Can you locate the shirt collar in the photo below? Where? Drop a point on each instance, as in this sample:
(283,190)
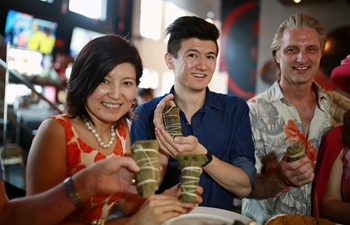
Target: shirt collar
(209,101)
(278,96)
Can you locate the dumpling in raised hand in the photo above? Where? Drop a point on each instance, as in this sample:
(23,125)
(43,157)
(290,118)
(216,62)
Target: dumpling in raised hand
(171,120)
(296,151)
(191,166)
(145,153)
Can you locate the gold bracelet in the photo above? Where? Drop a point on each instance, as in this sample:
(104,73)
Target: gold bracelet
(98,222)
(72,192)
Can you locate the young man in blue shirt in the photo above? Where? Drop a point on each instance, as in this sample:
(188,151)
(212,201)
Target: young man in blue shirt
(212,123)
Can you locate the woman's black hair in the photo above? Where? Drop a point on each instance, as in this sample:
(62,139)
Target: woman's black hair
(92,65)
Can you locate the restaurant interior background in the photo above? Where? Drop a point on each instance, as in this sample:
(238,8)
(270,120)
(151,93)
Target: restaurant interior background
(33,86)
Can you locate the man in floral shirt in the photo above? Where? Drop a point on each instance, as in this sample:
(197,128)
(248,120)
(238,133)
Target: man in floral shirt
(294,108)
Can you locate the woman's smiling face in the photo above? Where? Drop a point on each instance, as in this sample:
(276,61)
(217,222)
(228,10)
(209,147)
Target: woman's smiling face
(114,96)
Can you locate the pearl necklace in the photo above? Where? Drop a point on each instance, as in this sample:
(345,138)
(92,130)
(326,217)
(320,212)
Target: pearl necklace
(98,139)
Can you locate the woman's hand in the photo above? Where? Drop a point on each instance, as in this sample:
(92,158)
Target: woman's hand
(176,191)
(159,208)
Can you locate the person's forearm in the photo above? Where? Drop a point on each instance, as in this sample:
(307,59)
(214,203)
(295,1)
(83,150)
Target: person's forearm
(266,186)
(336,211)
(49,207)
(238,183)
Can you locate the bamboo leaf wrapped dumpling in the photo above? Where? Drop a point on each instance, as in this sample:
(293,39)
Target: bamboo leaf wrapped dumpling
(171,120)
(145,153)
(296,151)
(190,166)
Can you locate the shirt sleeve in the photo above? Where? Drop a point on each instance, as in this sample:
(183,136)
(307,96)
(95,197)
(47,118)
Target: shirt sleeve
(256,135)
(247,166)
(142,128)
(245,155)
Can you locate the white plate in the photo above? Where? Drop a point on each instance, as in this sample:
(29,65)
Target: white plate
(208,216)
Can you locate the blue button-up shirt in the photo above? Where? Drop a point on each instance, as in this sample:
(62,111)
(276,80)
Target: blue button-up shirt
(222,125)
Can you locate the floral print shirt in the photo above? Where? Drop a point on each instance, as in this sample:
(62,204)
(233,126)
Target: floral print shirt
(79,156)
(276,125)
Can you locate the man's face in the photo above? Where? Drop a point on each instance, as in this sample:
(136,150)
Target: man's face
(195,65)
(299,56)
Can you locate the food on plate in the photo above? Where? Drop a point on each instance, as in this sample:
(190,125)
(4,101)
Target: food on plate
(292,219)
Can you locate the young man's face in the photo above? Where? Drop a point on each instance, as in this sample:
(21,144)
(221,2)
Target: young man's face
(195,64)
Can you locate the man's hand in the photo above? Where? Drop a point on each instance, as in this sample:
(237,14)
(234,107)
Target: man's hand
(295,174)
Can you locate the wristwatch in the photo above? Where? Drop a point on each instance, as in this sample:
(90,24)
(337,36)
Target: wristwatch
(209,157)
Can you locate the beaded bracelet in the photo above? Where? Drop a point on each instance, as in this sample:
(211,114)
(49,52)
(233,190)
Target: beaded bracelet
(98,222)
(72,192)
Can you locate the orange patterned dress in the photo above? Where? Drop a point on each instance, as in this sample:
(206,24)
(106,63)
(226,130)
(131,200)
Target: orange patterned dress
(79,156)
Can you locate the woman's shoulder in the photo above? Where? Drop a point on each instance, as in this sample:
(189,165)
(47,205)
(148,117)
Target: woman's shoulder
(55,125)
(52,122)
(62,118)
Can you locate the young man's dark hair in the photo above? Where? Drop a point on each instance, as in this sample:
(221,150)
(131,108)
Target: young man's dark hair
(190,27)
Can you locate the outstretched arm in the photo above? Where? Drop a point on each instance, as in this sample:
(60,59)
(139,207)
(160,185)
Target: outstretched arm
(107,176)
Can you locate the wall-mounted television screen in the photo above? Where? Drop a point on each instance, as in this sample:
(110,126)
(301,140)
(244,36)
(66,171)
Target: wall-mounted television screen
(24,31)
(80,37)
